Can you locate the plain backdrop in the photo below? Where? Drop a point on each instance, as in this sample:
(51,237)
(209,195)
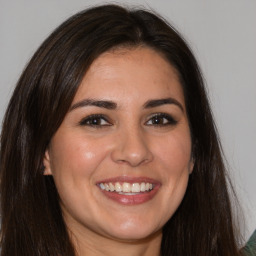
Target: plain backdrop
(222,35)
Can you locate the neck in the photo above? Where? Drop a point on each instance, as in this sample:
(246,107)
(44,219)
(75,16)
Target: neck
(92,244)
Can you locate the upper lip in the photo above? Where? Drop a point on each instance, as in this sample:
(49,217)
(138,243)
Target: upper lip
(129,179)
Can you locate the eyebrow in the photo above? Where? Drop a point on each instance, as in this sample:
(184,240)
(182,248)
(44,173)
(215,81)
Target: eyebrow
(112,105)
(160,102)
(98,103)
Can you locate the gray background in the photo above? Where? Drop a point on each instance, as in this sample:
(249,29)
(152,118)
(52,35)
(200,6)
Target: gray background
(222,35)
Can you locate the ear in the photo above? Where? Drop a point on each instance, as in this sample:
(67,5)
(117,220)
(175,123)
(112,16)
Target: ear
(47,163)
(191,165)
(192,159)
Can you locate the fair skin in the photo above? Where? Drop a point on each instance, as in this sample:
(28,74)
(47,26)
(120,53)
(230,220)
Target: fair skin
(138,137)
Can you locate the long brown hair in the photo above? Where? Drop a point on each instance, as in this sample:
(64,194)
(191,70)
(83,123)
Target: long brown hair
(32,223)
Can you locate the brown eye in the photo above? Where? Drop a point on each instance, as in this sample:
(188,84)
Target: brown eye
(161,119)
(95,120)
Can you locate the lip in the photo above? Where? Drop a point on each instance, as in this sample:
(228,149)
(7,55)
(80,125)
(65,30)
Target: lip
(139,198)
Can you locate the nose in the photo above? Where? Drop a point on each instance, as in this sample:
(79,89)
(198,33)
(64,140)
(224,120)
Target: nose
(132,148)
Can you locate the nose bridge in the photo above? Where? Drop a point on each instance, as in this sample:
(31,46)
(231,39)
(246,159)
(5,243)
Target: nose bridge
(132,147)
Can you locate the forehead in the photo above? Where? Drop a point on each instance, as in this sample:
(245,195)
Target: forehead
(134,72)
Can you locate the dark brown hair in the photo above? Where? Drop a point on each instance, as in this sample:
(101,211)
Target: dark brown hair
(32,223)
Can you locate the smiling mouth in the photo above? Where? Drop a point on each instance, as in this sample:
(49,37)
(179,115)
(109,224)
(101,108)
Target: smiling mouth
(129,190)
(126,188)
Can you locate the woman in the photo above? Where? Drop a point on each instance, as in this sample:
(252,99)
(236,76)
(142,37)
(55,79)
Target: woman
(108,146)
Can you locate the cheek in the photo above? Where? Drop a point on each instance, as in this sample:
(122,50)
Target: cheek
(74,158)
(175,153)
(174,160)
(74,162)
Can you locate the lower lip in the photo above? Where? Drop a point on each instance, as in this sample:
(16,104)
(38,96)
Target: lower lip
(141,198)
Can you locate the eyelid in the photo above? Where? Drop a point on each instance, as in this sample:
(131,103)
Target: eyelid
(86,119)
(171,120)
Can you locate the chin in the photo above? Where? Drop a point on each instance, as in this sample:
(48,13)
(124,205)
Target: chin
(130,232)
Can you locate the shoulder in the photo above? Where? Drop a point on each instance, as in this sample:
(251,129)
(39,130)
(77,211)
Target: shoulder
(250,247)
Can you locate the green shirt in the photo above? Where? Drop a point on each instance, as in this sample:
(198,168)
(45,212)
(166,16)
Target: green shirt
(250,247)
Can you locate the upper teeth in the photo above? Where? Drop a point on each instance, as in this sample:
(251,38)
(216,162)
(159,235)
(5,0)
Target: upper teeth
(126,187)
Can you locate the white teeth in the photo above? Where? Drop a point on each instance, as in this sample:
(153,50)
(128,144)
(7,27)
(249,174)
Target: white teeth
(102,186)
(118,187)
(142,187)
(112,187)
(135,187)
(127,188)
(106,187)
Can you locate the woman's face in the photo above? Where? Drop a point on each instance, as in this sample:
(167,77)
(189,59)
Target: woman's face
(121,159)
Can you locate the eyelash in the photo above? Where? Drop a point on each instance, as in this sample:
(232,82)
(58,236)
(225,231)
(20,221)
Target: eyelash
(93,120)
(88,121)
(159,117)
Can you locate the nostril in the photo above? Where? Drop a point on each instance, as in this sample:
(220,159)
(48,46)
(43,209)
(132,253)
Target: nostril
(134,160)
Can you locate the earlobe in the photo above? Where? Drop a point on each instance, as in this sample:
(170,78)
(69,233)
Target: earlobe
(192,160)
(47,164)
(191,165)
